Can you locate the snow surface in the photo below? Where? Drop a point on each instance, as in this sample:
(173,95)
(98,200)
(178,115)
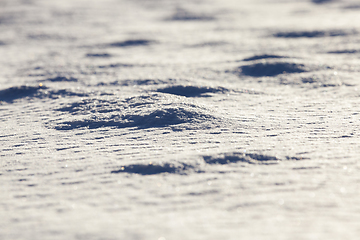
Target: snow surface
(179,119)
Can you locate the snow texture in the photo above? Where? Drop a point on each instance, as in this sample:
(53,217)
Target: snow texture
(181,119)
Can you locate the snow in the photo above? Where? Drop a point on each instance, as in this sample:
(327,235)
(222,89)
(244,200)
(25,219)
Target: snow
(179,119)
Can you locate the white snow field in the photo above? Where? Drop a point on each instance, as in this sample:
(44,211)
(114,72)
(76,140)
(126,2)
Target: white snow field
(179,119)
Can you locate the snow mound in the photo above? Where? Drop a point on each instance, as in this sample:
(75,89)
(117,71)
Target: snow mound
(313,34)
(152,169)
(191,91)
(131,43)
(318,80)
(322,1)
(10,94)
(133,82)
(270,69)
(98,55)
(62,79)
(116,65)
(264,56)
(346,51)
(185,15)
(157,110)
(252,158)
(208,44)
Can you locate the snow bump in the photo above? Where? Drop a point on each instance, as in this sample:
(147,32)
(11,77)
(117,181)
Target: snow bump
(191,91)
(131,43)
(98,55)
(313,34)
(153,169)
(322,1)
(185,15)
(133,82)
(270,69)
(11,94)
(62,79)
(346,51)
(264,56)
(147,111)
(251,158)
